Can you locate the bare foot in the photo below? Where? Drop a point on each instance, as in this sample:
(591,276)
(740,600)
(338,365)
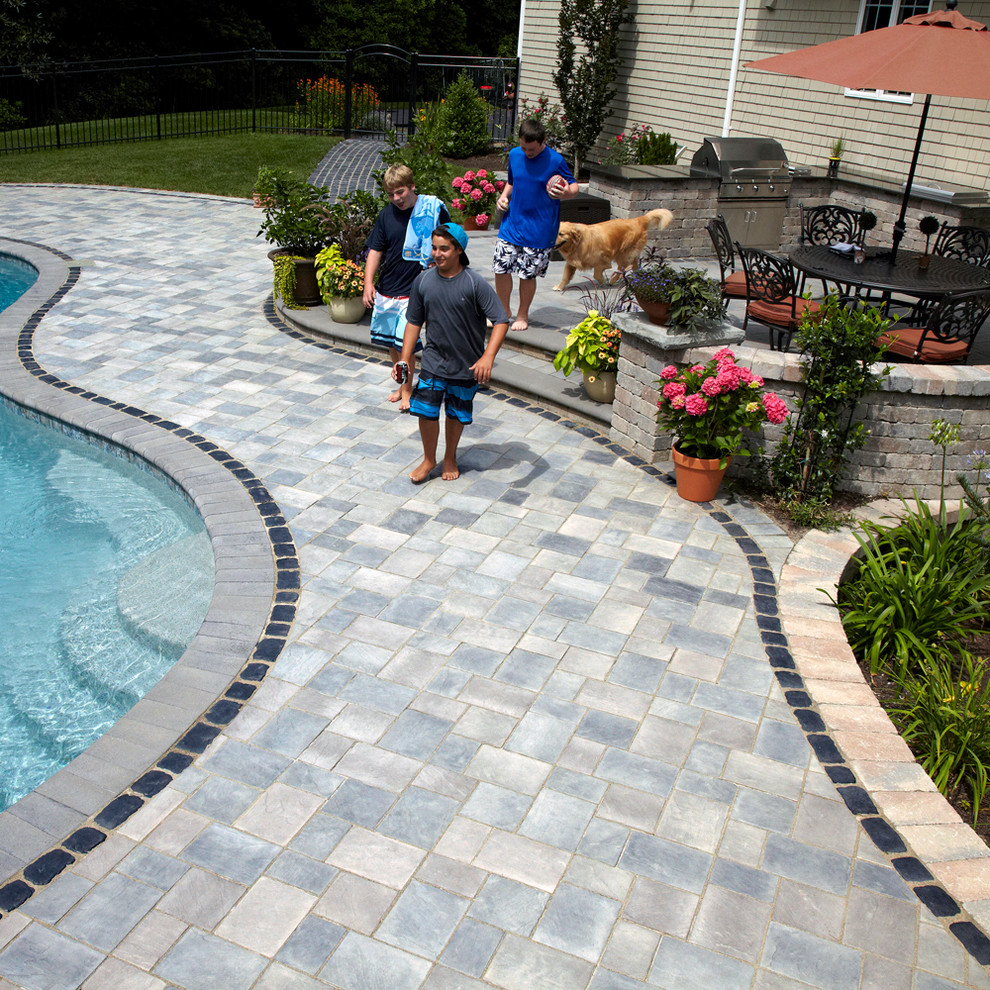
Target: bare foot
(519,323)
(395,396)
(422,472)
(406,395)
(450,470)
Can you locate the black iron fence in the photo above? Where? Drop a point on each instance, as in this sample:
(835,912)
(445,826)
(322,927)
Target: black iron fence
(364,91)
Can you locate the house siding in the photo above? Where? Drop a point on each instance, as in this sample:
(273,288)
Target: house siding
(677,63)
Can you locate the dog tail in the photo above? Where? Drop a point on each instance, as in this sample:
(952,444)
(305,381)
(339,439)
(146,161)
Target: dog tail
(659,218)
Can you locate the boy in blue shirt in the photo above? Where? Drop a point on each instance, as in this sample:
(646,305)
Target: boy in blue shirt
(538,179)
(455,362)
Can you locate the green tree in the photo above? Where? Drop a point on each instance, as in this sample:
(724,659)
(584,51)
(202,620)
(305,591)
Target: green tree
(584,77)
(25,32)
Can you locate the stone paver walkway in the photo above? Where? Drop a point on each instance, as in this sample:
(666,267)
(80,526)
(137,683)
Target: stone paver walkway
(523,734)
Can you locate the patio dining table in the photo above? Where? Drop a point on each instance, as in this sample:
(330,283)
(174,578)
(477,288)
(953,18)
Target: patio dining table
(878,274)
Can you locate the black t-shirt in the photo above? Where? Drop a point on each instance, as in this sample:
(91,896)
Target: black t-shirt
(395,274)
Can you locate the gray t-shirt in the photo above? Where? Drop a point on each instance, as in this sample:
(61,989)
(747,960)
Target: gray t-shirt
(456,309)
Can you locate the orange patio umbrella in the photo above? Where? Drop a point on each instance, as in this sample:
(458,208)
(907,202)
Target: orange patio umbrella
(941,54)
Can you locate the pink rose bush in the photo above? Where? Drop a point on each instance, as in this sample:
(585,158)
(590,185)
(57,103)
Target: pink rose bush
(478,192)
(707,406)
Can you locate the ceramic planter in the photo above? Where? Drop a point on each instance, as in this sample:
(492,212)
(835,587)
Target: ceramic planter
(698,478)
(346,310)
(307,291)
(470,223)
(656,312)
(599,386)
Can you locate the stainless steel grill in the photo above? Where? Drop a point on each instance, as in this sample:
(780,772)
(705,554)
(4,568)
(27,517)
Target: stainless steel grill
(754,183)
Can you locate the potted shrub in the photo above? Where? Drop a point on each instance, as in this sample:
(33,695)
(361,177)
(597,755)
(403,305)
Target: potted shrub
(341,282)
(294,223)
(675,297)
(593,345)
(835,156)
(928,226)
(706,407)
(476,200)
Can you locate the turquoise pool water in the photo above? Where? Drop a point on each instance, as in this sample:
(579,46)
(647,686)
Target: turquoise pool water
(105,577)
(16,277)
(106,573)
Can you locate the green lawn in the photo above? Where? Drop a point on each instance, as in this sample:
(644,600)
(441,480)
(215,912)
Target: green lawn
(224,166)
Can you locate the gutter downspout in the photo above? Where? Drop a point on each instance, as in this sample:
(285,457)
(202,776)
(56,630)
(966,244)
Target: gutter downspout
(733,70)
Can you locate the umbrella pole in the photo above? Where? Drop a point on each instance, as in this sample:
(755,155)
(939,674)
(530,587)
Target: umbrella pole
(899,225)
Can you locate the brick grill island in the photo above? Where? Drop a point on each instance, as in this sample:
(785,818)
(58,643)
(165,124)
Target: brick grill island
(897,459)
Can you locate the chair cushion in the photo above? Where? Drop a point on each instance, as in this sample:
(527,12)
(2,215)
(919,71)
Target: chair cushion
(735,285)
(779,314)
(904,342)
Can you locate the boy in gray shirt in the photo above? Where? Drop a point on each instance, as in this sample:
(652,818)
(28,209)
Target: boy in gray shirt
(455,361)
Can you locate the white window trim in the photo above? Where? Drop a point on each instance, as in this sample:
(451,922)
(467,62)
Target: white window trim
(879,95)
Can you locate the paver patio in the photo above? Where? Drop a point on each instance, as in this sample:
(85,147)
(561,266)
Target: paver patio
(524,733)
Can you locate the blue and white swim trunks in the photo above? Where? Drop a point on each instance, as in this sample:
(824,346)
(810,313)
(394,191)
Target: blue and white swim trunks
(388,322)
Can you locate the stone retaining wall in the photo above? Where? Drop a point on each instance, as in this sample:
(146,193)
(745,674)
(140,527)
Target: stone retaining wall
(632,190)
(898,458)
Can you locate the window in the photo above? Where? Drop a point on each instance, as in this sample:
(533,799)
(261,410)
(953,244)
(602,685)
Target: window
(880,14)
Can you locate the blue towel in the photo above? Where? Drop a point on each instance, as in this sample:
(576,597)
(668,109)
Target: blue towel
(418,245)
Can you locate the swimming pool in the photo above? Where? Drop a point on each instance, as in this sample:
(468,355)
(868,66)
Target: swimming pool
(106,573)
(16,277)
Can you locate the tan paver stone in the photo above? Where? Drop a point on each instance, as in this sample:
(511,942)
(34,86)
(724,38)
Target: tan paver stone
(377,857)
(151,814)
(113,974)
(853,692)
(933,843)
(279,813)
(11,925)
(631,807)
(266,916)
(892,775)
(914,808)
(499,697)
(378,767)
(857,718)
(150,939)
(966,879)
(705,668)
(836,667)
(872,746)
(522,859)
(461,878)
(615,699)
(355,903)
(511,770)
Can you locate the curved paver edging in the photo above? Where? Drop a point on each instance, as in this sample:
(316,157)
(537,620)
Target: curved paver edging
(933,849)
(256,588)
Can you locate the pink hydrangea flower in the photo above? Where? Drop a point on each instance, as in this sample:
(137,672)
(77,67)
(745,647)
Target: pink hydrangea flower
(668,373)
(488,187)
(728,377)
(482,219)
(711,387)
(482,173)
(468,176)
(500,185)
(775,408)
(677,402)
(672,389)
(695,405)
(457,204)
(725,355)
(697,369)
(458,182)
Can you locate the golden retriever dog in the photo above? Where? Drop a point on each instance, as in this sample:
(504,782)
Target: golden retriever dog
(600,245)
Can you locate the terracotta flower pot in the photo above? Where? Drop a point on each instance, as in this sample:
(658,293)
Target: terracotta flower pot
(599,386)
(698,478)
(470,223)
(656,312)
(349,310)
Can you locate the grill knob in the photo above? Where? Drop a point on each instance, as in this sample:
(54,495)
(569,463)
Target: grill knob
(771,187)
(738,188)
(756,188)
